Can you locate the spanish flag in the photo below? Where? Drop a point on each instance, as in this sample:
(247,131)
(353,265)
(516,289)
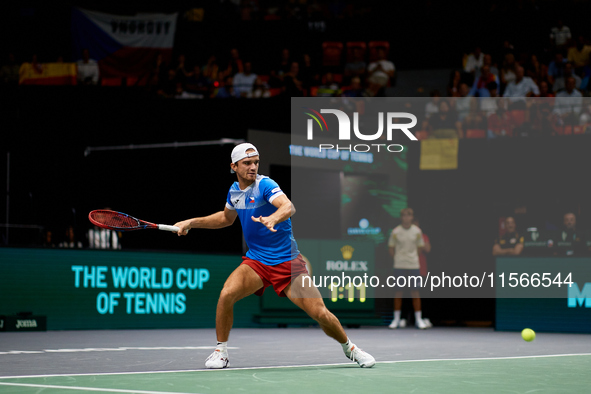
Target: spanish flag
(47,74)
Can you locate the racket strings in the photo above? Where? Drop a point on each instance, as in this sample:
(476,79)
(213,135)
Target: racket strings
(114,219)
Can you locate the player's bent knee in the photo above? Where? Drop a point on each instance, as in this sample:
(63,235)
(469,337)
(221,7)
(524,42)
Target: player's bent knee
(321,314)
(228,296)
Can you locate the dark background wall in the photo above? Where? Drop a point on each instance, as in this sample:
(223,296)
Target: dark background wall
(46,131)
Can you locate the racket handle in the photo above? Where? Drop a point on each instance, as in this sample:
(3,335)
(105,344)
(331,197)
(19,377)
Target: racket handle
(166,227)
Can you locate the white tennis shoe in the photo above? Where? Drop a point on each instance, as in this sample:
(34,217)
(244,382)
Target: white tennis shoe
(217,360)
(364,359)
(394,325)
(421,324)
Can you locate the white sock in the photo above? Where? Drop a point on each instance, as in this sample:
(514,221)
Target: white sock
(346,346)
(397,315)
(222,346)
(418,315)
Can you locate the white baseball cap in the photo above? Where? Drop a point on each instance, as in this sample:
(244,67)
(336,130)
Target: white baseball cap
(239,152)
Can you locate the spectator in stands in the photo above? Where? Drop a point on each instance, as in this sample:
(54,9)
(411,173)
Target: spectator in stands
(507,70)
(355,68)
(445,123)
(585,118)
(474,120)
(329,88)
(101,238)
(536,70)
(285,63)
(556,68)
(578,55)
(244,81)
(520,88)
(355,89)
(374,88)
(181,93)
(491,67)
(48,239)
(480,87)
(462,103)
(235,65)
(292,85)
(309,74)
(226,89)
(559,35)
(511,243)
(211,69)
(181,69)
(541,118)
(88,69)
(70,240)
(197,84)
(568,104)
(275,81)
(259,90)
(488,105)
(159,71)
(432,106)
(474,61)
(560,82)
(571,240)
(453,85)
(545,90)
(9,73)
(382,70)
(167,88)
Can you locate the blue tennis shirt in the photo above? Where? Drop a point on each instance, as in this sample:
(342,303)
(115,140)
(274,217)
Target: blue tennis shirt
(264,245)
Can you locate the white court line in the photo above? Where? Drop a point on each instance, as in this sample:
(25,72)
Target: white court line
(111,349)
(48,386)
(293,366)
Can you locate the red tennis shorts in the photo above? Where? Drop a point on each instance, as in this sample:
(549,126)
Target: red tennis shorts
(278,276)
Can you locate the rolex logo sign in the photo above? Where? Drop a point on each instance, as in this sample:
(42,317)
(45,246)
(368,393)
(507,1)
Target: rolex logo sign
(535,235)
(347,252)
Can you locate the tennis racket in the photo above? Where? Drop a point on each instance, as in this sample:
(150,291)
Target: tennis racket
(119,221)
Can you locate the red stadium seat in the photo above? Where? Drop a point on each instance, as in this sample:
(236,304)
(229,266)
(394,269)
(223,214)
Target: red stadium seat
(110,81)
(275,92)
(351,45)
(422,135)
(131,81)
(374,46)
(331,53)
(475,133)
(569,130)
(517,117)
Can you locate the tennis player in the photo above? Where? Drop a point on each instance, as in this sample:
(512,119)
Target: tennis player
(273,258)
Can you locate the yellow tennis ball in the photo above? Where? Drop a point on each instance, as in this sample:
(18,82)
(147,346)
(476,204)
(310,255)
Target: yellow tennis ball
(528,334)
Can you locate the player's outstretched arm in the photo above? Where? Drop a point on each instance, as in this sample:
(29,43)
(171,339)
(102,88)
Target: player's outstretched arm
(285,210)
(219,219)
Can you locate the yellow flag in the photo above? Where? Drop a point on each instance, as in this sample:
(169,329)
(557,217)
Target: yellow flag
(439,154)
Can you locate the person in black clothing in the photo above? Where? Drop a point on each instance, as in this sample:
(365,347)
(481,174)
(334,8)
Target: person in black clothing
(511,243)
(570,240)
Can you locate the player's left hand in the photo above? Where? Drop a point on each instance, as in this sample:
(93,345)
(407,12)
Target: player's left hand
(266,221)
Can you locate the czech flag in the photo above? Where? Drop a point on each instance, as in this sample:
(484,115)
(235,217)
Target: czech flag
(124,46)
